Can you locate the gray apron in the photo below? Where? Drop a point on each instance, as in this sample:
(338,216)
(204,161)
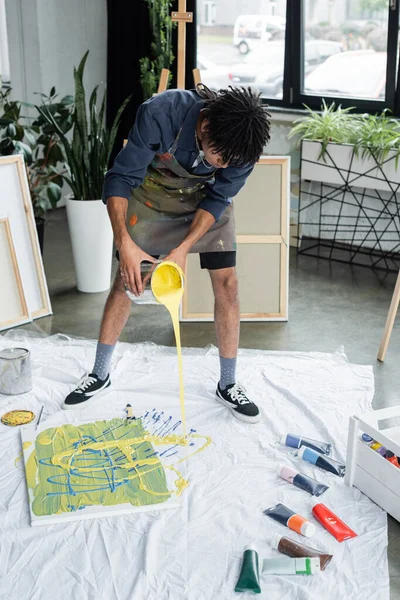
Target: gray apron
(161,209)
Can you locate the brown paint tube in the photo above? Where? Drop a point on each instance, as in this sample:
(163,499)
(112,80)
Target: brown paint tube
(294,549)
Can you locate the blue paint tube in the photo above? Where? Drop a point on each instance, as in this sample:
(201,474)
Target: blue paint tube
(249,578)
(320,460)
(308,484)
(294,440)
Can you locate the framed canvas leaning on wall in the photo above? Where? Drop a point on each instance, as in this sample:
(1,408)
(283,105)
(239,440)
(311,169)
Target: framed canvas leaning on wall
(16,207)
(13,307)
(262,235)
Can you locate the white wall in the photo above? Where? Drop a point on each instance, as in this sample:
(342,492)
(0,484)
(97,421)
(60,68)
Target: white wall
(4,60)
(47,38)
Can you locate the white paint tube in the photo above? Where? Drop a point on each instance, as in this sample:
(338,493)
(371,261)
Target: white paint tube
(283,565)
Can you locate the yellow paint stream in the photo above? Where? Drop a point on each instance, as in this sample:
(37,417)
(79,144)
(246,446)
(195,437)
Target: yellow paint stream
(167,284)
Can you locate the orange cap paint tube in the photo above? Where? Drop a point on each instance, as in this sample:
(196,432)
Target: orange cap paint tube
(289,518)
(332,523)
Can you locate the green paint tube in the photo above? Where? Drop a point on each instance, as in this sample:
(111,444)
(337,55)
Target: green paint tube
(249,578)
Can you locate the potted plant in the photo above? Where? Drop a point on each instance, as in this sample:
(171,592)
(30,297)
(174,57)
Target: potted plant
(87,158)
(41,149)
(340,147)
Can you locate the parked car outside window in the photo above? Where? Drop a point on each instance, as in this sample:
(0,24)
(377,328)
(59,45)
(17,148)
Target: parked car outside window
(357,74)
(251,30)
(264,66)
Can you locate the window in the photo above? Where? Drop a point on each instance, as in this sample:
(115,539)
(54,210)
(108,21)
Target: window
(358,68)
(297,52)
(239,47)
(4,60)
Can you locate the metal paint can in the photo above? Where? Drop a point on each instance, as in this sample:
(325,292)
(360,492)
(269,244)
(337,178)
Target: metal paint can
(15,371)
(147,270)
(147,297)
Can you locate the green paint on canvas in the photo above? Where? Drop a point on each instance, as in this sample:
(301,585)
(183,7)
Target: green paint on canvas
(100,463)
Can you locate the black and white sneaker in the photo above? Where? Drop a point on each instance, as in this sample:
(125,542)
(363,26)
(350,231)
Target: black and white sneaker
(238,403)
(88,387)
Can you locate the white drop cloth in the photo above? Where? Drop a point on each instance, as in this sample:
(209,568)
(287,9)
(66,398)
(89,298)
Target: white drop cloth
(194,552)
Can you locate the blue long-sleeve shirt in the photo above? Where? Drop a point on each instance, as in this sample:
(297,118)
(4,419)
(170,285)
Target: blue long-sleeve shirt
(157,124)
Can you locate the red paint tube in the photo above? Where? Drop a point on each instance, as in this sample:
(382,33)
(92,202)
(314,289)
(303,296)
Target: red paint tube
(392,458)
(332,523)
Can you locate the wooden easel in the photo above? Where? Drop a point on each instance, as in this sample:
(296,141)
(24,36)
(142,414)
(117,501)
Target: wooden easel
(182,17)
(394,305)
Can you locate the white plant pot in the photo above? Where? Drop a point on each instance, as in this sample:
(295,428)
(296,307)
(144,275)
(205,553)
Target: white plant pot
(92,244)
(339,166)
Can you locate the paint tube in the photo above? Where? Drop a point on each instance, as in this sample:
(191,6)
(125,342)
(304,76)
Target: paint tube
(294,440)
(392,458)
(373,444)
(249,578)
(308,484)
(332,523)
(291,566)
(378,448)
(290,519)
(324,462)
(294,549)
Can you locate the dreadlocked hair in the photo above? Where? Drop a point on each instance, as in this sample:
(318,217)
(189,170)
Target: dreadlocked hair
(238,125)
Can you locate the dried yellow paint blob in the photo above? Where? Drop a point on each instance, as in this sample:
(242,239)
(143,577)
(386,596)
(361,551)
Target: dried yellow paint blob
(20,455)
(17,417)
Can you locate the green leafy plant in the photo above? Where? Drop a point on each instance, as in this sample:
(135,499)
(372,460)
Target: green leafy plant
(161,47)
(16,136)
(371,135)
(377,136)
(330,125)
(88,153)
(41,148)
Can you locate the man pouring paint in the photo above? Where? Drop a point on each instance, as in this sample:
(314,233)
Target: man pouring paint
(170,193)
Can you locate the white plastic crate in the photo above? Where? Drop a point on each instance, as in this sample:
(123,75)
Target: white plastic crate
(370,472)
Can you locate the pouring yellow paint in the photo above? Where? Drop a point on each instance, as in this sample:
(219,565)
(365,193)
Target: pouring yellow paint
(167,285)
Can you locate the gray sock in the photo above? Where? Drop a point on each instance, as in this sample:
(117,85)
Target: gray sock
(104,354)
(228,372)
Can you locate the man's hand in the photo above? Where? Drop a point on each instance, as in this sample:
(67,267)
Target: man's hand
(130,259)
(178,256)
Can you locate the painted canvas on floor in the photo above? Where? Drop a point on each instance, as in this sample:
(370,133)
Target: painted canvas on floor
(103,468)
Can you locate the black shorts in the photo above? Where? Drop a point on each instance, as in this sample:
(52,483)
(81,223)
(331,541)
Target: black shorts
(212,260)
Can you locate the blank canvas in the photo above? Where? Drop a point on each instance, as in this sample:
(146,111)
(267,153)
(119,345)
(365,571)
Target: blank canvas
(16,205)
(13,307)
(262,235)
